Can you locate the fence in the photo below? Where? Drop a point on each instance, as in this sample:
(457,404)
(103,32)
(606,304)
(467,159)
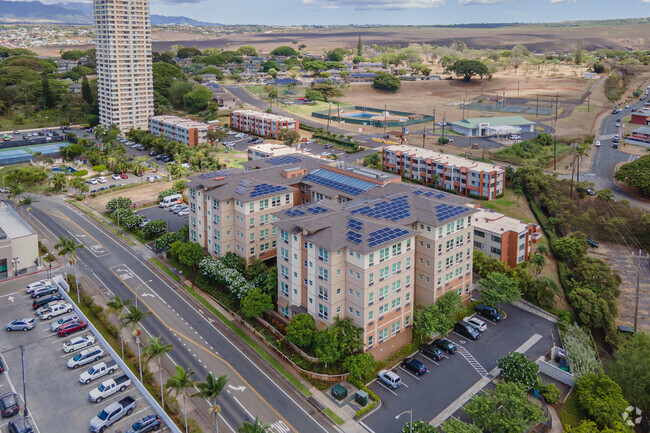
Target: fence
(333,115)
(543,426)
(534,309)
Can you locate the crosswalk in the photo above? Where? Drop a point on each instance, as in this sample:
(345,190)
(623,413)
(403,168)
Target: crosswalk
(472,361)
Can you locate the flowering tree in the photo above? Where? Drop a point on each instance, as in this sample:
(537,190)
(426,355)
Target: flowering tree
(216,269)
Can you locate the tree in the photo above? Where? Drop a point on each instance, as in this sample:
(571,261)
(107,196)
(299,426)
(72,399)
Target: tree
(164,76)
(69,246)
(132,318)
(602,401)
(187,253)
(255,268)
(119,203)
(187,52)
(326,347)
(580,353)
(255,303)
(519,369)
(72,55)
(578,53)
(418,426)
(177,92)
(359,47)
(284,51)
(255,427)
(598,68)
(86,92)
(210,390)
(48,97)
(427,320)
(197,99)
(154,228)
(468,69)
(247,50)
(360,366)
(328,88)
(387,82)
(59,181)
(301,330)
(454,425)
(348,336)
(214,135)
(591,310)
(81,186)
(572,248)
(116,305)
(314,95)
(156,349)
(497,287)
(636,174)
(374,160)
(288,136)
(179,383)
(165,241)
(505,409)
(629,368)
(539,261)
(337,54)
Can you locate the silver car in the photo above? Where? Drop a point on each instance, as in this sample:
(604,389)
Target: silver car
(54,327)
(21,325)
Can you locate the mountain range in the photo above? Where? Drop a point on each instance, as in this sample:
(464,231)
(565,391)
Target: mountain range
(35,12)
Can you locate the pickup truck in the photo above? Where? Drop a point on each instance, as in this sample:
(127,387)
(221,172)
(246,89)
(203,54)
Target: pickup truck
(111,414)
(96,371)
(55,310)
(109,387)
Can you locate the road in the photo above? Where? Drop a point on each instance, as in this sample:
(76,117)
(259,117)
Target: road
(200,342)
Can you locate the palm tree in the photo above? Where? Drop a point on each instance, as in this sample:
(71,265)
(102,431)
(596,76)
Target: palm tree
(27,202)
(210,390)
(116,305)
(179,383)
(67,246)
(255,427)
(59,180)
(156,350)
(539,261)
(16,190)
(132,319)
(541,249)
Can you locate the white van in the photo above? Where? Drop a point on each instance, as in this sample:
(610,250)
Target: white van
(170,200)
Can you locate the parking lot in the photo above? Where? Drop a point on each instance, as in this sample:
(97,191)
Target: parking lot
(57,401)
(433,392)
(174,222)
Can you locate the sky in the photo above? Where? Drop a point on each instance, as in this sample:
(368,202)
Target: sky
(413,12)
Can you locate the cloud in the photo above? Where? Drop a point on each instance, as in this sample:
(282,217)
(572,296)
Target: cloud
(480,2)
(380,4)
(569,1)
(309,2)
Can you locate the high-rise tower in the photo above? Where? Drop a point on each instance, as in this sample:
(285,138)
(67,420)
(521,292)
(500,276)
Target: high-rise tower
(124,76)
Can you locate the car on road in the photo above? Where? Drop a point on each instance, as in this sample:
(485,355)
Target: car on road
(115,176)
(93,181)
(466,330)
(70,318)
(432,351)
(592,243)
(414,366)
(145,424)
(101,179)
(69,328)
(627,106)
(150,179)
(618,124)
(389,378)
(38,303)
(597,143)
(19,425)
(43,290)
(9,404)
(78,343)
(476,322)
(24,324)
(445,345)
(85,357)
(488,312)
(16,131)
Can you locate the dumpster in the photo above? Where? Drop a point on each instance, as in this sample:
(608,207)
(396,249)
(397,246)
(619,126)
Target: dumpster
(361,397)
(339,392)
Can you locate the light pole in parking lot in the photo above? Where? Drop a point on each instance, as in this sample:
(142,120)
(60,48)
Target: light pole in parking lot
(22,361)
(410,412)
(136,291)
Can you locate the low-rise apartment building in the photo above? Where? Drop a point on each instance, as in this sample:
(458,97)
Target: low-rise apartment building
(262,124)
(469,178)
(506,239)
(186,131)
(18,244)
(269,150)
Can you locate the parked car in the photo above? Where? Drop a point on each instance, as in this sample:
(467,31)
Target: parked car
(78,343)
(55,326)
(476,322)
(71,327)
(2,366)
(101,179)
(389,378)
(590,191)
(37,284)
(115,176)
(85,357)
(414,366)
(20,425)
(592,243)
(38,303)
(445,345)
(329,146)
(43,290)
(24,324)
(145,424)
(184,212)
(466,330)
(488,312)
(150,179)
(93,181)
(174,207)
(55,310)
(181,209)
(108,388)
(98,370)
(597,143)
(111,414)
(9,404)
(431,351)
(124,176)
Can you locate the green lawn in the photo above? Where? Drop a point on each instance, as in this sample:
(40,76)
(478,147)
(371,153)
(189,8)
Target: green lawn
(571,413)
(306,110)
(334,417)
(510,205)
(38,120)
(165,269)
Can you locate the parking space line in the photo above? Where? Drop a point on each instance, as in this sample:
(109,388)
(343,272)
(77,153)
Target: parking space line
(465,339)
(387,388)
(409,373)
(429,359)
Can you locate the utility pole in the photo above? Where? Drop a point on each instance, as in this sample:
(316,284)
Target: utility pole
(557,95)
(434,123)
(636,299)
(573,170)
(537,109)
(384,119)
(463,109)
(555,153)
(443,127)
(22,361)
(518,88)
(329,116)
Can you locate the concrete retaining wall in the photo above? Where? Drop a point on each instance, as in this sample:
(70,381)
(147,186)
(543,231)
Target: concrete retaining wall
(552,371)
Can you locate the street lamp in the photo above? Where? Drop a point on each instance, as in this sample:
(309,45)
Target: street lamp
(136,290)
(410,412)
(15,261)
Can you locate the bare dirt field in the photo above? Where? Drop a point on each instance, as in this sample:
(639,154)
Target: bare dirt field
(142,194)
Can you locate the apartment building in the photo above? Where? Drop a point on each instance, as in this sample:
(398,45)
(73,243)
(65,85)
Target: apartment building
(124,75)
(269,150)
(186,131)
(369,259)
(18,244)
(262,124)
(507,239)
(451,172)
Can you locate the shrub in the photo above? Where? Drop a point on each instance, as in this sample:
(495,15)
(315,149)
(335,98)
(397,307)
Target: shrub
(550,393)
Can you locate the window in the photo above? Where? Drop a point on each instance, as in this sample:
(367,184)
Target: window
(479,234)
(323,293)
(284,288)
(371,297)
(383,291)
(323,274)
(382,335)
(264,219)
(495,250)
(322,312)
(370,341)
(394,328)
(396,268)
(495,238)
(383,309)
(323,255)
(371,315)
(284,253)
(383,272)
(356,313)
(371,257)
(251,222)
(251,207)
(284,271)
(407,280)
(252,237)
(396,286)
(407,297)
(371,277)
(395,303)
(384,254)
(350,310)
(407,320)
(252,250)
(397,249)
(408,262)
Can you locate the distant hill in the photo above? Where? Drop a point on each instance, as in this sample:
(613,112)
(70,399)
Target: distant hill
(69,13)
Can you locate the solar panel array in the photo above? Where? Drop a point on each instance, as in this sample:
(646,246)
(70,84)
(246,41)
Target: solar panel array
(446,211)
(265,188)
(317,209)
(429,193)
(394,209)
(355,224)
(339,182)
(354,237)
(384,235)
(214,174)
(295,212)
(279,160)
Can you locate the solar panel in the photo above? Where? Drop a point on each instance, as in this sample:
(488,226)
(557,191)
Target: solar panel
(246,182)
(355,224)
(339,182)
(295,212)
(384,235)
(265,189)
(241,190)
(394,209)
(445,211)
(354,237)
(317,210)
(280,160)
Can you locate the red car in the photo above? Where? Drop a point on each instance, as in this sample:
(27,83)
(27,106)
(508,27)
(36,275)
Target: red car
(124,176)
(69,328)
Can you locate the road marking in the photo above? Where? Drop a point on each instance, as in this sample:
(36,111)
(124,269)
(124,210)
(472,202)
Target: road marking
(97,250)
(243,407)
(409,373)
(472,361)
(237,388)
(366,427)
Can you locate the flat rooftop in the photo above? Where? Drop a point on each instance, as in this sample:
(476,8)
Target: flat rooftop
(179,121)
(496,222)
(12,226)
(445,158)
(262,115)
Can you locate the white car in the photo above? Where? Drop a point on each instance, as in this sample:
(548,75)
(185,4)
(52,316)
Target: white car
(597,143)
(93,181)
(55,310)
(78,343)
(37,284)
(115,177)
(86,356)
(101,179)
(476,322)
(183,213)
(48,305)
(150,179)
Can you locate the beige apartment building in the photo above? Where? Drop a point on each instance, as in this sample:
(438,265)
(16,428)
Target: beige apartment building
(124,75)
(260,123)
(181,129)
(469,178)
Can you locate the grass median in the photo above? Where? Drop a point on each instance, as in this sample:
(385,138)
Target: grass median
(100,220)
